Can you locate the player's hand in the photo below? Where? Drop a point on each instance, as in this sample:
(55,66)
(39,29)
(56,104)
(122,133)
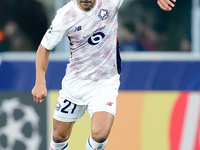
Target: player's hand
(166,5)
(39,92)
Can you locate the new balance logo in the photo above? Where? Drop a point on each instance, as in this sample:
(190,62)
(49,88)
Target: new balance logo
(77,28)
(109,103)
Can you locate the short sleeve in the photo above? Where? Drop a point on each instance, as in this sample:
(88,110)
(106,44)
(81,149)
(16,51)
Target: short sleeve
(118,3)
(55,33)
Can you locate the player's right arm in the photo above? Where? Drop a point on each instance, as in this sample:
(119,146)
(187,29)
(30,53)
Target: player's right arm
(39,91)
(52,37)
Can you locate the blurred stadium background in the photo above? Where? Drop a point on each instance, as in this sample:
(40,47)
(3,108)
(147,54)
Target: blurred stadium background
(159,99)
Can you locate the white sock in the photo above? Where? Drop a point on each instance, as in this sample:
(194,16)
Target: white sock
(92,145)
(58,146)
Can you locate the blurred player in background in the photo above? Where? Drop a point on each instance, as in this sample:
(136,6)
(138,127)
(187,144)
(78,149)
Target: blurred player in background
(92,75)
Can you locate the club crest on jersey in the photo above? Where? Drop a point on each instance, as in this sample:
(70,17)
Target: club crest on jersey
(103,14)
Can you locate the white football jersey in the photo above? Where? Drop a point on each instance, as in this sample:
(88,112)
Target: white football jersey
(93,37)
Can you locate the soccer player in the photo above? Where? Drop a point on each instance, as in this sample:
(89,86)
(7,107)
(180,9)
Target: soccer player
(166,5)
(92,75)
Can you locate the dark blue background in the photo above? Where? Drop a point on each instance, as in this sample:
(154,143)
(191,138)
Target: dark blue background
(136,75)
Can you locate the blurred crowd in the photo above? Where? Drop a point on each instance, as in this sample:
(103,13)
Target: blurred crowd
(22,25)
(143,26)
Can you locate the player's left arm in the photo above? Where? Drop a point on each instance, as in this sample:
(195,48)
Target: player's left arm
(166,5)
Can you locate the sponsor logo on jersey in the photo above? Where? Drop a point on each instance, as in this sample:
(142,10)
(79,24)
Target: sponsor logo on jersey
(103,14)
(96,38)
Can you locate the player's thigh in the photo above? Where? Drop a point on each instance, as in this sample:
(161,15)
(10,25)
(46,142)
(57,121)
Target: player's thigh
(62,130)
(65,115)
(101,125)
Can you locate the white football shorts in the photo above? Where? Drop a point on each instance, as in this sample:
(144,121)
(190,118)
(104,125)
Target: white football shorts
(78,95)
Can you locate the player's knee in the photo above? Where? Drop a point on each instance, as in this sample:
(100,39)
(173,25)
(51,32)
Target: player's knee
(100,135)
(60,137)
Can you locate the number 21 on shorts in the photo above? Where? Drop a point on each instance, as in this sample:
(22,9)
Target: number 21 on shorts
(68,108)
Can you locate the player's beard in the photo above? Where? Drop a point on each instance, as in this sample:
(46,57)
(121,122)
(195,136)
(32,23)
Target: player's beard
(87,4)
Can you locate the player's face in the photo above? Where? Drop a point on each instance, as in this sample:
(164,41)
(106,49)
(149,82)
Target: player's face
(86,5)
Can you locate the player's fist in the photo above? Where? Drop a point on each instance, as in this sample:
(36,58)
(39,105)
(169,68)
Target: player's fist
(166,5)
(39,92)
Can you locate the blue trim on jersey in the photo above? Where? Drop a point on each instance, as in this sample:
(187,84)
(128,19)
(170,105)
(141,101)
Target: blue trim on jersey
(65,147)
(119,61)
(89,143)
